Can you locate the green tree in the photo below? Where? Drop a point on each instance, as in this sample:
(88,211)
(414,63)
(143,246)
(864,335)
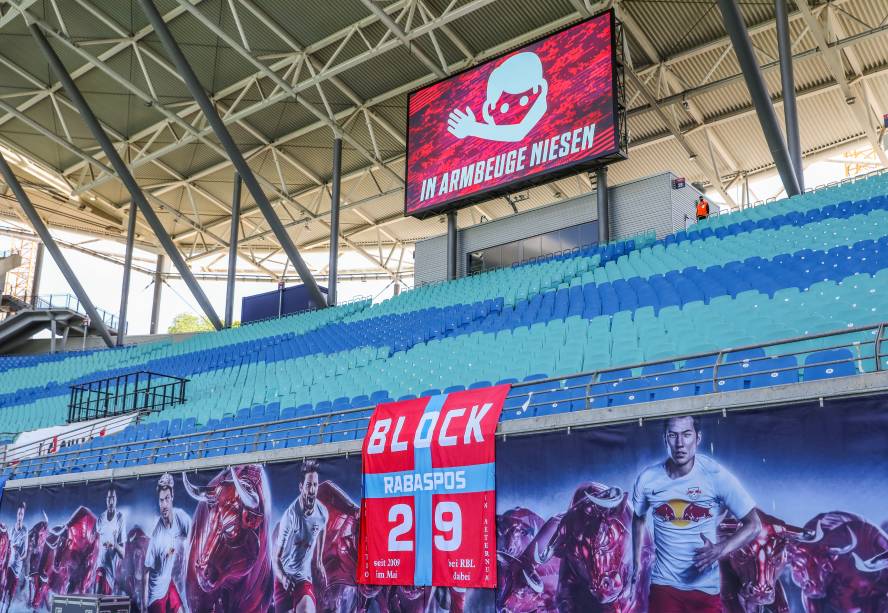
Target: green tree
(188,322)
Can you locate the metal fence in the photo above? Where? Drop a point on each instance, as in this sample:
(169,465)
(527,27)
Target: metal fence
(142,391)
(70,302)
(841,352)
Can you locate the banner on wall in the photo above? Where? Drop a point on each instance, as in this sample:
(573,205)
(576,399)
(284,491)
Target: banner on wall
(428,514)
(779,510)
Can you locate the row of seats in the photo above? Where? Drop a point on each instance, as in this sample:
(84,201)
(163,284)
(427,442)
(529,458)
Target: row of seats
(851,190)
(622,303)
(397,333)
(268,427)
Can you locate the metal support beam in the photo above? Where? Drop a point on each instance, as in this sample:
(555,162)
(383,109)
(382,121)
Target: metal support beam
(603,205)
(709,172)
(240,164)
(38,271)
(451,246)
(865,106)
(334,220)
(40,228)
(127,269)
(674,83)
(158,290)
(232,251)
(395,29)
(125,175)
(755,83)
(790,113)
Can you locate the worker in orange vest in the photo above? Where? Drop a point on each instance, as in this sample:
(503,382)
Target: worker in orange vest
(702,208)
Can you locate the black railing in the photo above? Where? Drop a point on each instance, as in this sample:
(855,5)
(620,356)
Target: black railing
(67,301)
(141,391)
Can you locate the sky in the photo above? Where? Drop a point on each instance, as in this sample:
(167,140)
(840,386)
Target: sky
(103,280)
(103,285)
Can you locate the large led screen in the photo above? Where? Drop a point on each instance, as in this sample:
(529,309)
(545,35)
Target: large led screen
(541,111)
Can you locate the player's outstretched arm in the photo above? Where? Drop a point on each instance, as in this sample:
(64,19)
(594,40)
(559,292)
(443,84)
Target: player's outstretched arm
(752,525)
(276,563)
(321,572)
(710,552)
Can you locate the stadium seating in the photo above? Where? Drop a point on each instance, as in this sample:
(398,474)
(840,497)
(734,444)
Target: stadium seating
(795,268)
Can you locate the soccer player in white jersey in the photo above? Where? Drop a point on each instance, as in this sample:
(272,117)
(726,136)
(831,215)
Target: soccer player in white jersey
(166,552)
(111,527)
(18,548)
(687,496)
(299,548)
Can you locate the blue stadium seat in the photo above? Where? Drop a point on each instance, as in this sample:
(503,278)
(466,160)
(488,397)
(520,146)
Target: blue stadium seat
(828,364)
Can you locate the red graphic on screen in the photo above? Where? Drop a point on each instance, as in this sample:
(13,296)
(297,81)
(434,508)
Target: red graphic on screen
(547,106)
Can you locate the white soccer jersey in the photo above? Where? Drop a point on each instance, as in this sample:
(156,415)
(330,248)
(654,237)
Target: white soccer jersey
(683,509)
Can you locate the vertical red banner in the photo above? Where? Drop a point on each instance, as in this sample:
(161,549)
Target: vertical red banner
(428,513)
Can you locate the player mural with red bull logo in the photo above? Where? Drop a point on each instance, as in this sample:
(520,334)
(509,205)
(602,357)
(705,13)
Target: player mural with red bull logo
(111,527)
(777,510)
(686,496)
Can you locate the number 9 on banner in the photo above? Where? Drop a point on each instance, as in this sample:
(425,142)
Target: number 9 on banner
(448,520)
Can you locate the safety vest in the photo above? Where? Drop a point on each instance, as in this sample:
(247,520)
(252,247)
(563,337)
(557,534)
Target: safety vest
(702,209)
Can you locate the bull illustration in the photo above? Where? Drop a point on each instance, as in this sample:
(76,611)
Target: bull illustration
(230,568)
(841,564)
(525,585)
(36,540)
(751,574)
(340,554)
(66,562)
(131,569)
(5,552)
(593,541)
(416,599)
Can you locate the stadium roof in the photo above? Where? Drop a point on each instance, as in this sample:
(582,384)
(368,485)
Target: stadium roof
(347,66)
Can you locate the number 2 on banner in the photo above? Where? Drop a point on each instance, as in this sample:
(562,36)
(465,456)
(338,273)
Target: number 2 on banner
(406,513)
(448,518)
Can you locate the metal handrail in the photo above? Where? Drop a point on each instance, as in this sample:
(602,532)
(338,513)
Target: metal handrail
(67,301)
(595,376)
(208,436)
(198,443)
(20,452)
(682,358)
(808,190)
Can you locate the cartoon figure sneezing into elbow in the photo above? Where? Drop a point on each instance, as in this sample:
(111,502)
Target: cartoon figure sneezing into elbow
(519,75)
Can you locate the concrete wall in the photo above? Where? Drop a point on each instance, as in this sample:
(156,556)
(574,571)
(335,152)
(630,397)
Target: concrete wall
(639,206)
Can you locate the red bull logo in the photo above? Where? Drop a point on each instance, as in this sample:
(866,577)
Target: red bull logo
(682,513)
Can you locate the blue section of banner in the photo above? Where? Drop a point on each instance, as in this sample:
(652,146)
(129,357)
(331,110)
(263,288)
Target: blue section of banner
(422,501)
(477,479)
